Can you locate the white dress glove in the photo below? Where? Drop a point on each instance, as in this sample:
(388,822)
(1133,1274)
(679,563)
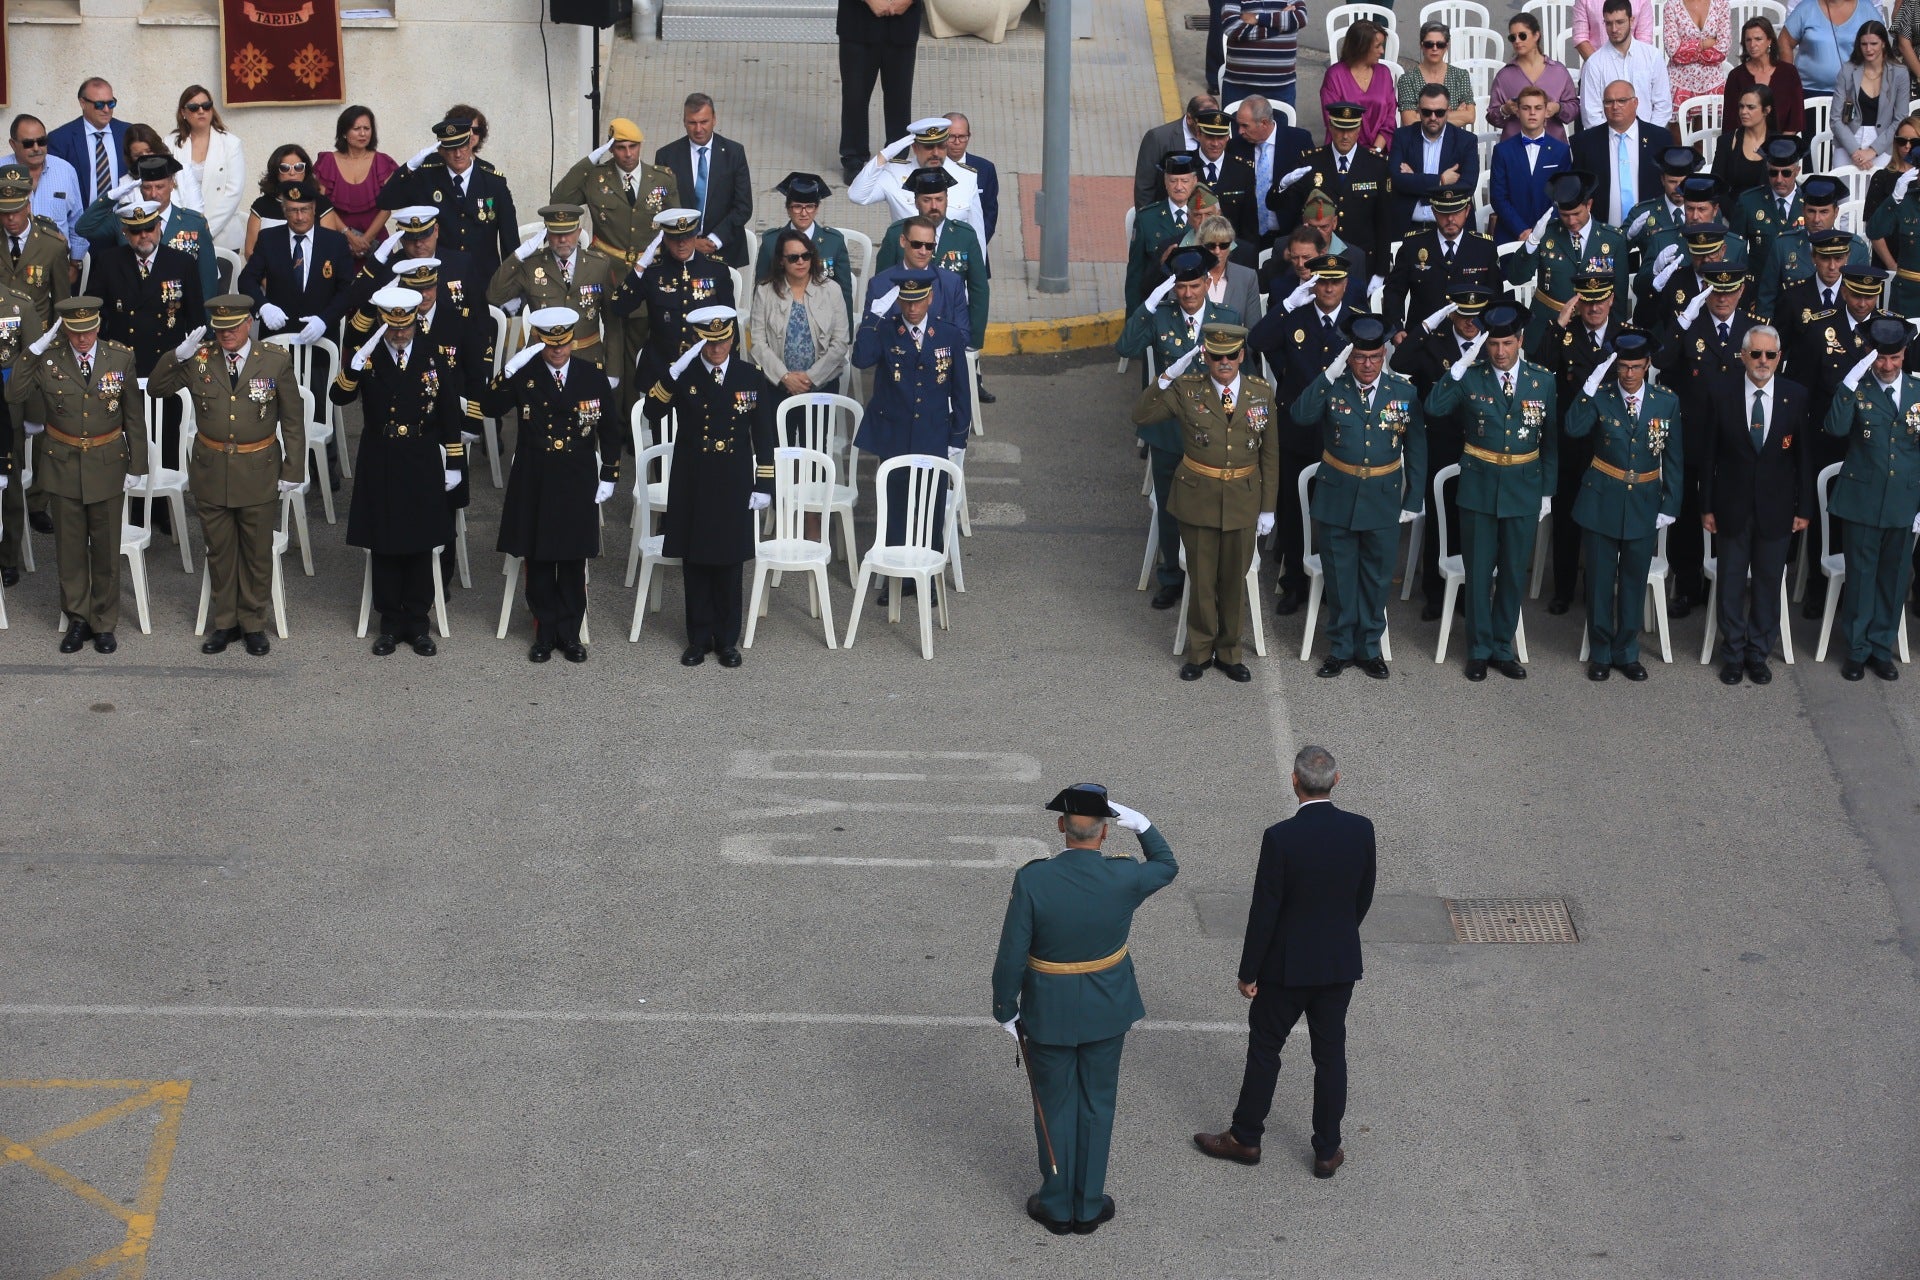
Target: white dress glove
(955,454)
(420,157)
(893,150)
(190,344)
(884,303)
(288,486)
(757,501)
(34,428)
(686,358)
(1694,308)
(1301,295)
(45,340)
(387,247)
(1916,524)
(1599,375)
(1633,228)
(452,479)
(1264,525)
(521,357)
(613,382)
(1900,188)
(1159,294)
(1375,284)
(600,153)
(1665,265)
(603,492)
(1540,228)
(1432,322)
(1467,357)
(365,353)
(648,254)
(1546,507)
(272,316)
(1292,176)
(312,328)
(1852,381)
(1339,365)
(510,307)
(5,479)
(134,482)
(122,189)
(1661,521)
(1131,819)
(1012,1027)
(531,245)
(1177,368)
(1408,517)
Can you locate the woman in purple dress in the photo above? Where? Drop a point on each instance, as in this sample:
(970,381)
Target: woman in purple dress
(1360,79)
(1531,67)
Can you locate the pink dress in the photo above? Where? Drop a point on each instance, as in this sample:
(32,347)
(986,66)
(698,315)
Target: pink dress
(1378,101)
(1690,68)
(356,202)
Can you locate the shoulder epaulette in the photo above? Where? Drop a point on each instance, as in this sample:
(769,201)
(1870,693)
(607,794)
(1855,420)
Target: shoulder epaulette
(119,346)
(1480,235)
(1256,380)
(49,225)
(484,165)
(594,250)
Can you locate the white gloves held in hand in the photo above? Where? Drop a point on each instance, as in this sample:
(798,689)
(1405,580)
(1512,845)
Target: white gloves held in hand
(955,453)
(531,245)
(1131,819)
(1467,357)
(603,492)
(1546,507)
(757,501)
(1159,294)
(272,316)
(1662,521)
(452,478)
(1264,525)
(287,486)
(45,340)
(1599,375)
(134,482)
(521,357)
(312,328)
(1408,517)
(190,344)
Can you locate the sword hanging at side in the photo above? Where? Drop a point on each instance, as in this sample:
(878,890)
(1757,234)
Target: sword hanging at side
(1025,1060)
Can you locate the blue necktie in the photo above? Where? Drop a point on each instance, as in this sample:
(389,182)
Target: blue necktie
(1758,429)
(700,181)
(1623,169)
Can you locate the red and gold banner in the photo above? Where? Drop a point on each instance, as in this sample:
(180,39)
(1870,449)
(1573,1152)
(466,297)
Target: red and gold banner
(277,53)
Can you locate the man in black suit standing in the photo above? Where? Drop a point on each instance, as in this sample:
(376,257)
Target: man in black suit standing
(878,41)
(1161,141)
(711,172)
(1596,150)
(299,274)
(1302,955)
(1755,494)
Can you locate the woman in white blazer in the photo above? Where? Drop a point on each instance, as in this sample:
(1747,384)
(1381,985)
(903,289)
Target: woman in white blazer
(211,156)
(808,353)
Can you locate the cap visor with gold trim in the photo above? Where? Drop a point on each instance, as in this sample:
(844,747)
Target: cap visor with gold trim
(931,130)
(1450,201)
(1223,339)
(79,315)
(1345,115)
(1867,281)
(1329,266)
(1471,301)
(916,286)
(1722,278)
(1704,237)
(1833,243)
(396,305)
(561,219)
(139,215)
(416,219)
(453,134)
(418,273)
(229,310)
(1596,288)
(554,324)
(677,222)
(1214,124)
(14,195)
(715,323)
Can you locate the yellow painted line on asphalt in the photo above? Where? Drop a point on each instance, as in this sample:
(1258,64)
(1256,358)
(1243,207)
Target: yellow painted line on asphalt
(1170,108)
(170,1097)
(1047,337)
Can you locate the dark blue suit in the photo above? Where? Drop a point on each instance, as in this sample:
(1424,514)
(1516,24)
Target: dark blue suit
(949,298)
(71,144)
(920,401)
(988,177)
(269,277)
(1410,190)
(1519,193)
(1593,151)
(1312,890)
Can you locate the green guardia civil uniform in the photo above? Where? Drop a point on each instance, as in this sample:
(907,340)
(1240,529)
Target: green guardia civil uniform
(1757,216)
(1557,258)
(956,249)
(20,328)
(1899,225)
(95,437)
(622,219)
(1738,250)
(1169,333)
(1634,478)
(1877,494)
(539,281)
(1789,260)
(1373,466)
(1660,217)
(1063,970)
(1228,474)
(1509,464)
(1154,228)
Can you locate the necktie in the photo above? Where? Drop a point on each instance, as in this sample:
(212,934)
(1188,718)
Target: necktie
(13,243)
(719,375)
(1759,420)
(1623,170)
(1783,208)
(86,368)
(566,273)
(146,265)
(915,331)
(400,359)
(1179,217)
(1446,252)
(560,378)
(233,368)
(632,195)
(1226,399)
(1213,173)
(300,260)
(1724,334)
(1326,325)
(1343,164)
(1506,383)
(1826,298)
(102,170)
(700,181)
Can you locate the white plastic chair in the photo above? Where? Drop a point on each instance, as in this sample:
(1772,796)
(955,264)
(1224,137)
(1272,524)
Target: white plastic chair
(1556,22)
(828,423)
(1856,180)
(134,542)
(1740,12)
(3,590)
(797,473)
(323,415)
(915,559)
(25,481)
(318,433)
(1455,13)
(1852,216)
(1475,47)
(1522,293)
(861,252)
(1656,604)
(1820,134)
(490,427)
(1710,566)
(1127,239)
(1659,25)
(973,393)
(1833,564)
(742,295)
(1453,568)
(1253,605)
(167,483)
(1316,577)
(1699,121)
(510,570)
(439,596)
(227,266)
(1342,16)
(648,548)
(649,496)
(279,582)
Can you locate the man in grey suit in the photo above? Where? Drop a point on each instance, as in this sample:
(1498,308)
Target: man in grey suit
(1157,142)
(1302,955)
(711,174)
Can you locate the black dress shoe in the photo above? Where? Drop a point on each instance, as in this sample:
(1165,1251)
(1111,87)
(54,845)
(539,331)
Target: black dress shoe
(104,642)
(850,171)
(1288,603)
(333,477)
(1192,670)
(1631,670)
(1236,671)
(1374,667)
(1882,667)
(730,656)
(40,521)
(1476,669)
(9,577)
(1558,605)
(886,593)
(1849,669)
(1039,1215)
(539,651)
(1730,673)
(575,652)
(1105,1215)
(1508,667)
(691,656)
(257,644)
(384,644)
(78,633)
(1332,667)
(219,638)
(1812,608)
(1167,597)
(1598,671)
(423,644)
(1680,607)
(986,396)
(1758,671)
(1429,613)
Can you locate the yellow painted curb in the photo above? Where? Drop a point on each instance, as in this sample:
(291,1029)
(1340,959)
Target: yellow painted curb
(1048,337)
(1170,108)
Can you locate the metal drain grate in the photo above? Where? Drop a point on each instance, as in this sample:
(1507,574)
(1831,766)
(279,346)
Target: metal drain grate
(1197,22)
(1510,920)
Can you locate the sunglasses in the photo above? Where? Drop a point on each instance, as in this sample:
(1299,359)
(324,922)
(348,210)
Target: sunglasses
(198,106)
(1433,113)
(1433,44)
(1764,355)
(103,104)
(291,168)
(1218,248)
(1515,37)
(29,144)
(1230,355)
(919,244)
(796,257)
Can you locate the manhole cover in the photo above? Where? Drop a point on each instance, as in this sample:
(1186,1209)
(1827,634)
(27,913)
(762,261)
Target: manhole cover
(1198,22)
(1510,920)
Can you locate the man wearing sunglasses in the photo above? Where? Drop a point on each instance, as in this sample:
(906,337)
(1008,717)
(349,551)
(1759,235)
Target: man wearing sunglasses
(58,194)
(94,142)
(180,228)
(1427,158)
(1770,208)
(1438,261)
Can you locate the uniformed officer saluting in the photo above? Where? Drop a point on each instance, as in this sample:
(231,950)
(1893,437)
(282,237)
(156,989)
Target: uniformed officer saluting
(624,194)
(151,292)
(1555,250)
(410,455)
(722,475)
(1507,476)
(19,327)
(670,278)
(251,448)
(1223,489)
(547,517)
(94,449)
(552,270)
(1064,987)
(476,209)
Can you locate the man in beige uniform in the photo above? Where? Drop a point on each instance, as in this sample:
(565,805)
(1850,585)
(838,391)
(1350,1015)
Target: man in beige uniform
(34,262)
(552,269)
(251,447)
(93,449)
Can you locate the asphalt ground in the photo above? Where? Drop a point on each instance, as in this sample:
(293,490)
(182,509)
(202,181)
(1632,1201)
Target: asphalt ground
(481,969)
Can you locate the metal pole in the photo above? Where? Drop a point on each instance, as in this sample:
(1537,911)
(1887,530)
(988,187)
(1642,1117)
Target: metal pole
(1056,179)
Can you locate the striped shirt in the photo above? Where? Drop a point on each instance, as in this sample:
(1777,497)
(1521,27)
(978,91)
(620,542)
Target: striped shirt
(1260,56)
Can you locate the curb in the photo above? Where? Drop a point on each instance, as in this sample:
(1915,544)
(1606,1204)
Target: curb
(1050,337)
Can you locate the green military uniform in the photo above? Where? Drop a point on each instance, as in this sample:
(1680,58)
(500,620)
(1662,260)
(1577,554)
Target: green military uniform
(41,271)
(1634,478)
(1877,494)
(1789,258)
(250,436)
(1169,333)
(95,438)
(1555,259)
(1898,223)
(1063,970)
(584,285)
(20,327)
(1159,225)
(1228,476)
(1661,214)
(1373,466)
(622,205)
(1508,465)
(1758,217)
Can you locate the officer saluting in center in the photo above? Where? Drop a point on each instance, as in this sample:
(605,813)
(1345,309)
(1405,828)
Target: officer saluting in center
(1064,987)
(670,278)
(1555,250)
(476,215)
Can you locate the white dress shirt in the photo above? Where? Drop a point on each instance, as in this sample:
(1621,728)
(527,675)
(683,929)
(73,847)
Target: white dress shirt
(1642,66)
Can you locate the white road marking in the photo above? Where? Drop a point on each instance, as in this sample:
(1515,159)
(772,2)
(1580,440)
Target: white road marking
(998,514)
(807,806)
(993,766)
(756,849)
